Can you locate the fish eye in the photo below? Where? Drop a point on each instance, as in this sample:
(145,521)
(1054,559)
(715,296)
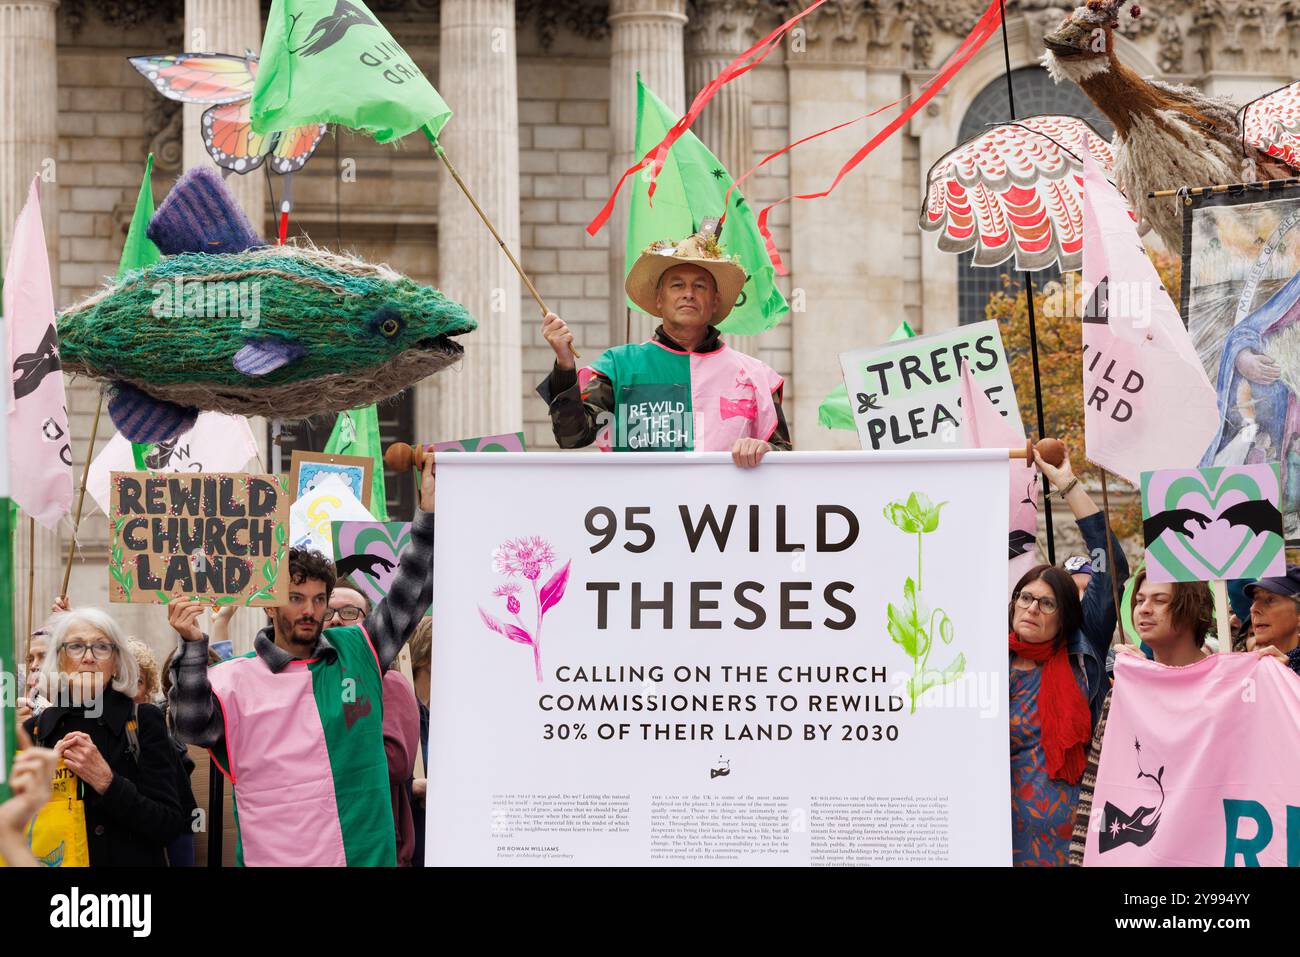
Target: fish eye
(387,322)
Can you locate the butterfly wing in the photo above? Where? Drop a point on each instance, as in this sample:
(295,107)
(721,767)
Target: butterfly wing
(295,147)
(228,135)
(199,77)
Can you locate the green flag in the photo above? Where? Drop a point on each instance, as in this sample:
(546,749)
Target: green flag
(332,61)
(357,433)
(690,189)
(138,253)
(836,412)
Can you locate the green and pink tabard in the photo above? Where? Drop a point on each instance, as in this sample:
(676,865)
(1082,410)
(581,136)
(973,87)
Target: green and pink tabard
(667,400)
(317,794)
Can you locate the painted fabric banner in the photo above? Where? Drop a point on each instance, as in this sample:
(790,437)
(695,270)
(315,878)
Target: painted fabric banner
(1212,524)
(1241,302)
(905,394)
(217,443)
(814,673)
(1190,774)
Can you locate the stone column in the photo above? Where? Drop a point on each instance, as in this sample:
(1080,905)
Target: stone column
(478,76)
(225,26)
(715,36)
(833,241)
(645,36)
(28,146)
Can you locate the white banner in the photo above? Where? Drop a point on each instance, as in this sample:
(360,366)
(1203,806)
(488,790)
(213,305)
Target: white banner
(664,659)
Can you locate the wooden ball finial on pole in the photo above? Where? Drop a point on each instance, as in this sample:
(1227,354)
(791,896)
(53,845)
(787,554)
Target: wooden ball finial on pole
(1052,451)
(401,457)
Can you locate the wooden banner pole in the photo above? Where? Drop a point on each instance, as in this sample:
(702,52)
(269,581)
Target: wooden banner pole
(81,497)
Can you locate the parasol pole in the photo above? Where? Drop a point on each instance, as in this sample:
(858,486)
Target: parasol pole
(1029,301)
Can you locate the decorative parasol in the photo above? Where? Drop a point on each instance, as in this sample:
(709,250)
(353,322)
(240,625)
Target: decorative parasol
(1016,190)
(1272,123)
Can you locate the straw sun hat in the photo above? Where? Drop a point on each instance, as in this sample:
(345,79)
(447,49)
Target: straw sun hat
(698,250)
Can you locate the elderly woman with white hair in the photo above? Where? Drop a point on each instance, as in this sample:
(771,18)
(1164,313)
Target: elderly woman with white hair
(118,749)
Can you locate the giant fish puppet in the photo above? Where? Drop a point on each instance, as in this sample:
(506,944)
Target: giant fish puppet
(228,323)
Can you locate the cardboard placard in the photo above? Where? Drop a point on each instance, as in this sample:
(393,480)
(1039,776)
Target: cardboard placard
(309,469)
(219,536)
(905,394)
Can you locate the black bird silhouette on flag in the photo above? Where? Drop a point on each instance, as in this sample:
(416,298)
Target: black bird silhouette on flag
(1119,828)
(330,30)
(32,367)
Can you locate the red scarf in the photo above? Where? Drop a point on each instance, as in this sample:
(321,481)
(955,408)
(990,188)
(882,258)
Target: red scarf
(1064,722)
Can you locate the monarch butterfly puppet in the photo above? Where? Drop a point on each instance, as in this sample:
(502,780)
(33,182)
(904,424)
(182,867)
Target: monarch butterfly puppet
(226,81)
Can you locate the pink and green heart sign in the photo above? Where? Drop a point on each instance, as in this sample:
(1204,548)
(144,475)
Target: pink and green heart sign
(368,553)
(1213,524)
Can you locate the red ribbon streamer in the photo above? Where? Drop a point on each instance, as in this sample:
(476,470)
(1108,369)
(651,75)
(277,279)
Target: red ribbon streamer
(656,157)
(988,25)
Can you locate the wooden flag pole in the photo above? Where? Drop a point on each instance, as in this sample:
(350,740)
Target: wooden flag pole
(537,297)
(81,497)
(1219,588)
(8,640)
(31,574)
(1110,558)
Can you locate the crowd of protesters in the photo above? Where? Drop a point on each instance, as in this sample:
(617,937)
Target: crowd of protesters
(97,703)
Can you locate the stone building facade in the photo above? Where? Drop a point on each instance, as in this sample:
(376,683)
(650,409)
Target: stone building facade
(544,94)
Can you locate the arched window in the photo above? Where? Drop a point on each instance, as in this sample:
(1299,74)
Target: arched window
(1036,92)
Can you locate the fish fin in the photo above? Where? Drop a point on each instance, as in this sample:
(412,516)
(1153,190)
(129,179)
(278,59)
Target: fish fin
(200,216)
(147,420)
(261,356)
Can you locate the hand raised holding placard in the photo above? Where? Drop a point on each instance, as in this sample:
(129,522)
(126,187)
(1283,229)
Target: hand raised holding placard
(183,616)
(427,482)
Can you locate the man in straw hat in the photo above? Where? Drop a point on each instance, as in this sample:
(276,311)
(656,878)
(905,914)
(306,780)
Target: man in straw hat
(684,390)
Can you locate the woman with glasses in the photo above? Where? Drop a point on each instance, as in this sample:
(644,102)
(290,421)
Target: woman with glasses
(118,750)
(1057,645)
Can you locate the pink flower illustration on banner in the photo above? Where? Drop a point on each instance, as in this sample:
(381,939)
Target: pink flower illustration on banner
(508,591)
(527,557)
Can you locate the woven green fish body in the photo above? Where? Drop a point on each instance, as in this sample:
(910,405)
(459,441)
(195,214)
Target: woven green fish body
(282,332)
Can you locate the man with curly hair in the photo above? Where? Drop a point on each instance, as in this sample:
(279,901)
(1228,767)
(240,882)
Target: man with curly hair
(297,724)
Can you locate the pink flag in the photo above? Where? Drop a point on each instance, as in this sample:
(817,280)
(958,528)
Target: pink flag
(1147,402)
(216,443)
(983,426)
(1192,772)
(38,412)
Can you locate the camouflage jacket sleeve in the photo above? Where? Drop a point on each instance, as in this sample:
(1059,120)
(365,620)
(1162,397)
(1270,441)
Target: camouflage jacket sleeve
(576,413)
(780,439)
(393,620)
(194,711)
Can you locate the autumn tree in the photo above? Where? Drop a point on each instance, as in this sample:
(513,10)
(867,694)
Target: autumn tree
(1058,306)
